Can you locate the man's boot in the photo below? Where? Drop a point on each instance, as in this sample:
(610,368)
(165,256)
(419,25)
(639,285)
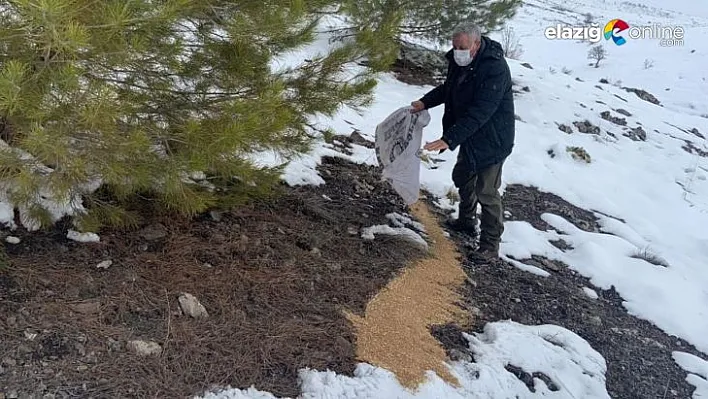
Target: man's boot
(487,252)
(463,225)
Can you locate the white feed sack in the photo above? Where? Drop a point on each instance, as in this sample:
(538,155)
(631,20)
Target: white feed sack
(398,141)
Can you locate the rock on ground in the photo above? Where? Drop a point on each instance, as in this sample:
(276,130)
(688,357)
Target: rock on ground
(153,232)
(191,306)
(144,348)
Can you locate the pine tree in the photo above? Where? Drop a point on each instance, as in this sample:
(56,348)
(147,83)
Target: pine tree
(164,98)
(434,20)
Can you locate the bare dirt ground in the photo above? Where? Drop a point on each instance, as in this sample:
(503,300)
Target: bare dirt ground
(277,278)
(273,276)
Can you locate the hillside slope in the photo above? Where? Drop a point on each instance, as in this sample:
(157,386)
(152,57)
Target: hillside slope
(602,290)
(589,136)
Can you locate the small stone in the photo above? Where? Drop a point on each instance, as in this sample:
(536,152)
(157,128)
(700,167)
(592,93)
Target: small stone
(458,355)
(82,368)
(12,395)
(623,112)
(9,362)
(335,267)
(91,358)
(616,120)
(316,252)
(244,239)
(86,308)
(565,129)
(218,238)
(12,240)
(475,311)
(595,320)
(550,264)
(643,94)
(590,293)
(215,215)
(30,336)
(144,348)
(105,264)
(80,348)
(191,306)
(114,346)
(586,127)
(637,134)
(153,232)
(517,300)
(352,231)
(208,265)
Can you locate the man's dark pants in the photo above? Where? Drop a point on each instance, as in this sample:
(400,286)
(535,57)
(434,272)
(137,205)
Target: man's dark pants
(483,188)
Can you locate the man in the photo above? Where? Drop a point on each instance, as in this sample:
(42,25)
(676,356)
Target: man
(479,119)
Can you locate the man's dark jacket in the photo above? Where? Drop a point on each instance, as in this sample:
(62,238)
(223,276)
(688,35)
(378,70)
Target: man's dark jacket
(479,107)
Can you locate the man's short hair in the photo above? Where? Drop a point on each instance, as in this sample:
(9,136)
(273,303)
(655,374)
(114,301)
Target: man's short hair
(468,28)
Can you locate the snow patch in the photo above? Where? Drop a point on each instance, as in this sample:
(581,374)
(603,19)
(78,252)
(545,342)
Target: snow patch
(7,215)
(571,364)
(399,220)
(591,293)
(368,233)
(302,170)
(698,372)
(83,237)
(528,268)
(572,367)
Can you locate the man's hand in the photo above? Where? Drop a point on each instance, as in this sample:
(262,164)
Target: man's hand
(436,145)
(417,106)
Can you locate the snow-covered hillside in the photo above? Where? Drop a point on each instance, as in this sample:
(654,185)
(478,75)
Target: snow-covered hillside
(651,195)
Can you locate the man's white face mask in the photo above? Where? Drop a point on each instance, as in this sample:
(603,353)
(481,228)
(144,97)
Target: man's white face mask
(463,57)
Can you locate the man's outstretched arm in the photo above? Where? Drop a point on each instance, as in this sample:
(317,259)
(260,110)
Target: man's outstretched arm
(434,97)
